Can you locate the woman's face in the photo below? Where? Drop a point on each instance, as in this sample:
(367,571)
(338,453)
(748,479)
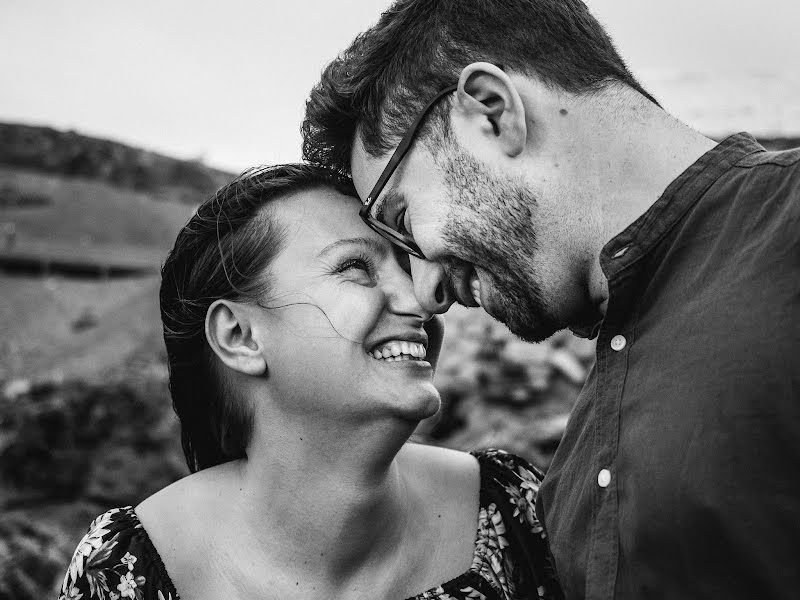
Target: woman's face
(342,329)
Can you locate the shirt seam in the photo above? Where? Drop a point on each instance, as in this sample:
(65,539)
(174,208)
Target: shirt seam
(770,163)
(640,228)
(645,252)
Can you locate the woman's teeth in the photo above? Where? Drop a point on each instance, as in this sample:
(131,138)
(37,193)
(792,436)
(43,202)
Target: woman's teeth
(475,286)
(399,350)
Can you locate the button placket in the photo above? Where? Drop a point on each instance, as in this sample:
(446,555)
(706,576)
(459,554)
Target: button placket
(612,361)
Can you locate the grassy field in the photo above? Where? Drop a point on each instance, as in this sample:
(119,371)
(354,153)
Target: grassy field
(87,213)
(60,326)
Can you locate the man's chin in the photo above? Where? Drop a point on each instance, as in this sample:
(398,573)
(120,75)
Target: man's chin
(523,326)
(533,334)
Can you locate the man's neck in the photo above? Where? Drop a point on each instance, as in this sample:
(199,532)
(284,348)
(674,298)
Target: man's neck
(651,150)
(634,152)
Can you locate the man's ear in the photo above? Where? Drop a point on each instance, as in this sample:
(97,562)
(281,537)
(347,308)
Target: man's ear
(488,106)
(230,334)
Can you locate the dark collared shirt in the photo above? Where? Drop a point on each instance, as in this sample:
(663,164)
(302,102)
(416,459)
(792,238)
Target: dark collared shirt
(679,472)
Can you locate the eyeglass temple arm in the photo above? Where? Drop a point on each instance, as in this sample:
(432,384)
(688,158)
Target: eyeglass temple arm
(405,144)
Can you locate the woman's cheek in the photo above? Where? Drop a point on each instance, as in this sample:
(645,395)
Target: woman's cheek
(356,312)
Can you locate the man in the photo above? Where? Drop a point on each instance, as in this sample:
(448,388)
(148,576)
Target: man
(506,147)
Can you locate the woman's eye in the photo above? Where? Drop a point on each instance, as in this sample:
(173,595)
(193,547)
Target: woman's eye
(356,263)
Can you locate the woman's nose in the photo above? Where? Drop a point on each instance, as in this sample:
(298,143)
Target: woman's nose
(400,296)
(431,286)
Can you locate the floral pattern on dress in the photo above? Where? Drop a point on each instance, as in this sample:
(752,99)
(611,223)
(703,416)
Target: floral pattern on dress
(490,542)
(520,483)
(104,565)
(116,560)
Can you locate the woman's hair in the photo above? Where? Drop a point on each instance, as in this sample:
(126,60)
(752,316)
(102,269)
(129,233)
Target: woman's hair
(223,252)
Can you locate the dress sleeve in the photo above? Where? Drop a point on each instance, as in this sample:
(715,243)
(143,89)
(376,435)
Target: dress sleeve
(116,559)
(512,484)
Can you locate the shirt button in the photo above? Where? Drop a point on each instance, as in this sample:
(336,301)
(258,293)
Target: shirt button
(604,478)
(621,252)
(618,342)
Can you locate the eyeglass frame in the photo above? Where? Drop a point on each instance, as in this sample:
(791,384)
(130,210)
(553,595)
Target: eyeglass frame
(402,241)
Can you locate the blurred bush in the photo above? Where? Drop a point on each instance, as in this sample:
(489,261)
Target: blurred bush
(69,451)
(31,554)
(68,441)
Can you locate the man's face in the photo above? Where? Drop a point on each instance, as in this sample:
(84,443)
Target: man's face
(485,235)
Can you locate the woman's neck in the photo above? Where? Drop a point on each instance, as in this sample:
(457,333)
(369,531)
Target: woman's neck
(335,490)
(347,516)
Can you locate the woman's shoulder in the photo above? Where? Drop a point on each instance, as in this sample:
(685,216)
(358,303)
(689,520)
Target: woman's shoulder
(502,468)
(509,530)
(449,459)
(492,470)
(452,472)
(116,559)
(499,480)
(437,457)
(508,461)
(511,482)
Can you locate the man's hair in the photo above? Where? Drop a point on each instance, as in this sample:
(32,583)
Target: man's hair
(418,47)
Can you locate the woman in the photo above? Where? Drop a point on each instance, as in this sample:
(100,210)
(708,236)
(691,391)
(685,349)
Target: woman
(300,363)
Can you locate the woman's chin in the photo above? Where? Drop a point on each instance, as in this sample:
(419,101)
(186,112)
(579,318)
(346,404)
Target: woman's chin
(422,406)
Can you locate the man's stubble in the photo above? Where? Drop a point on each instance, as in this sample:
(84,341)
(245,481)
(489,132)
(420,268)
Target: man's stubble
(491,224)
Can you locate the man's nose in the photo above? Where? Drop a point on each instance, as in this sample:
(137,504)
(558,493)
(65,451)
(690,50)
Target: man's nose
(431,285)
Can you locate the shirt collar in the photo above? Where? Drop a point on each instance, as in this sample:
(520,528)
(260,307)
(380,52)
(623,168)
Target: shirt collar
(640,237)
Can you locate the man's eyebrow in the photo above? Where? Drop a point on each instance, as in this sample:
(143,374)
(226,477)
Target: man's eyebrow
(377,246)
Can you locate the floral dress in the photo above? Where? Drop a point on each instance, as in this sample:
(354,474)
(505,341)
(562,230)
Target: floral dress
(511,561)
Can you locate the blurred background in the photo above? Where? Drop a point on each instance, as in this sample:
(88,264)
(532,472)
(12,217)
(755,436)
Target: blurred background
(116,119)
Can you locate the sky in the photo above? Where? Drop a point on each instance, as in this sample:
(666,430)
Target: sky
(225,82)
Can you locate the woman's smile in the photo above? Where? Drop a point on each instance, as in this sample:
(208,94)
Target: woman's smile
(399,349)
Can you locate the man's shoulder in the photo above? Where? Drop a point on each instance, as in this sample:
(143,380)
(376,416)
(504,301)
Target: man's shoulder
(769,176)
(760,195)
(783,158)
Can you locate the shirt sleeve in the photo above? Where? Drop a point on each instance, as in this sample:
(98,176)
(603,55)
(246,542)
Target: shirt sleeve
(114,560)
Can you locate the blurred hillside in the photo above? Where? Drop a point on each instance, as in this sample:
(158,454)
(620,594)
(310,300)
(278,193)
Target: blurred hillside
(78,205)
(85,415)
(71,154)
(84,226)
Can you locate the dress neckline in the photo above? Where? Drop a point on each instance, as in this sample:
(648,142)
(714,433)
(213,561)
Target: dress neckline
(479,548)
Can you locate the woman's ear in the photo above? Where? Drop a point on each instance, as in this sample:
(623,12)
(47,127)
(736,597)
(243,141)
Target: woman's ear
(489,109)
(229,332)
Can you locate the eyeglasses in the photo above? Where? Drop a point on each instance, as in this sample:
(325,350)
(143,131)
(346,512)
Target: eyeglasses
(401,240)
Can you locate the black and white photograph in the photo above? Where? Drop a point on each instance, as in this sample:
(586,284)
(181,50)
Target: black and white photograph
(399,300)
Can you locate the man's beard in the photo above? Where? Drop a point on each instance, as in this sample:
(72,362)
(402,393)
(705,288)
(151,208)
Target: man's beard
(491,224)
